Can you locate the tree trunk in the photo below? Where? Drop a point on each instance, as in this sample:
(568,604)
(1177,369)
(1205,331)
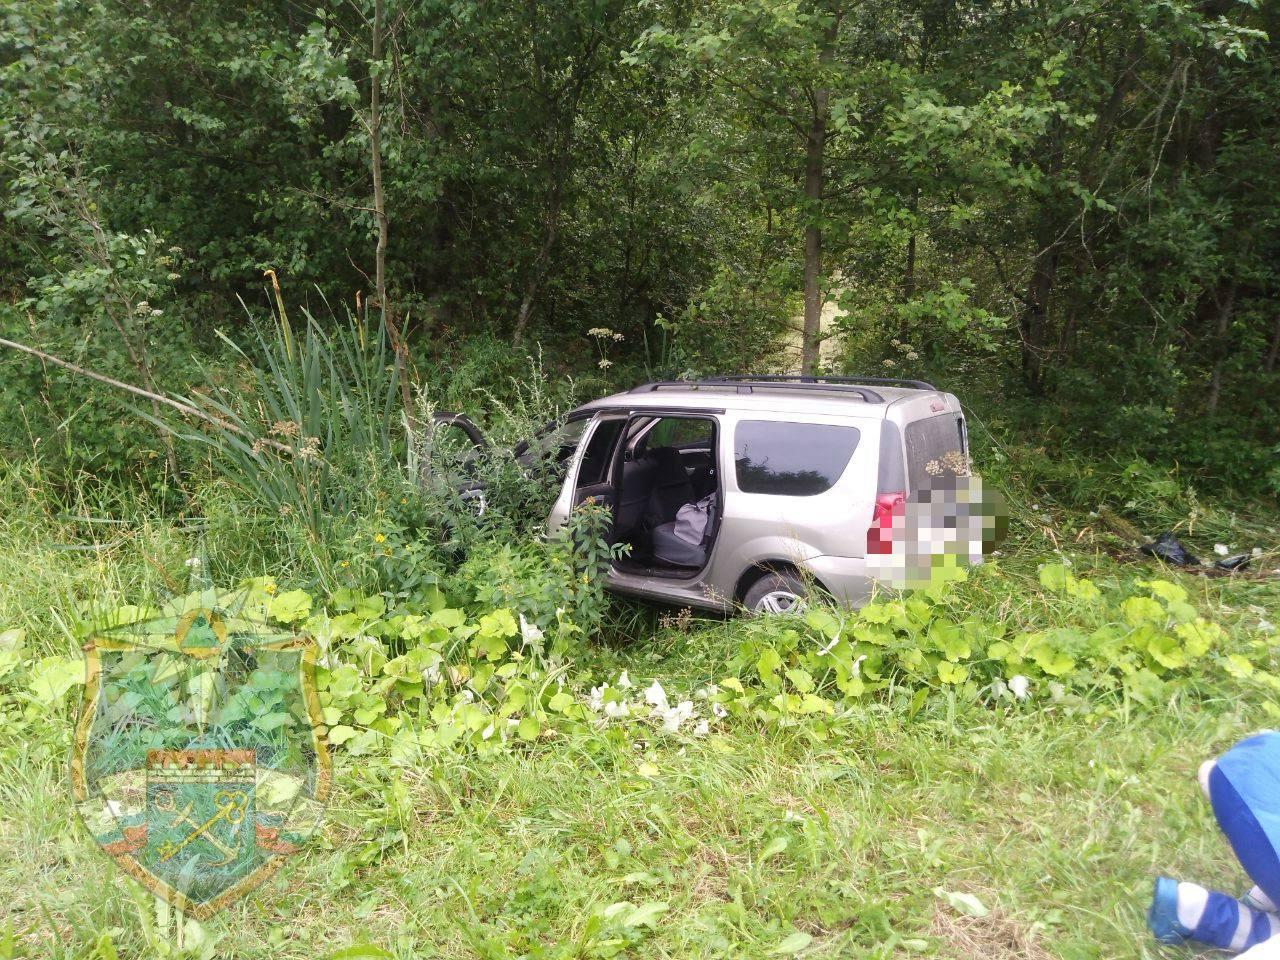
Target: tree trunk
(1224,305)
(1033,319)
(815,157)
(539,267)
(375,158)
(813,248)
(909,278)
(1274,354)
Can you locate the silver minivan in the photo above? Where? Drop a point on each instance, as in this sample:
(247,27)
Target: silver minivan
(752,492)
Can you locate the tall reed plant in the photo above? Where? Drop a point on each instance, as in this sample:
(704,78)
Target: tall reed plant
(315,427)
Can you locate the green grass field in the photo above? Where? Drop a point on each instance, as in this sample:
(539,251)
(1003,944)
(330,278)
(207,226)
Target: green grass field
(876,836)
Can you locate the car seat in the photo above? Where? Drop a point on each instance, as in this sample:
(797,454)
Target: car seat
(633,496)
(684,541)
(671,488)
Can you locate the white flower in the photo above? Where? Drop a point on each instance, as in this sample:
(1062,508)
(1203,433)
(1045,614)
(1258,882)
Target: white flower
(1020,686)
(718,711)
(1266,626)
(604,364)
(999,687)
(624,681)
(616,710)
(1221,549)
(596,699)
(912,355)
(529,632)
(1057,691)
(192,562)
(673,717)
(431,675)
(655,696)
(702,728)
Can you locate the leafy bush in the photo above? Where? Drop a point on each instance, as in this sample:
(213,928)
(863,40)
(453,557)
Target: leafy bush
(546,580)
(1142,647)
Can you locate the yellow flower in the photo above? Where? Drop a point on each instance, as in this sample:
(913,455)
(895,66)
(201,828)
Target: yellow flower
(345,563)
(270,588)
(379,538)
(404,499)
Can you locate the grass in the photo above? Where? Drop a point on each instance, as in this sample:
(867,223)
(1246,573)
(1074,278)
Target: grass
(753,843)
(1055,823)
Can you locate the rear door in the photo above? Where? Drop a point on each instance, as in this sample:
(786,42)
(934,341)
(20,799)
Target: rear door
(936,447)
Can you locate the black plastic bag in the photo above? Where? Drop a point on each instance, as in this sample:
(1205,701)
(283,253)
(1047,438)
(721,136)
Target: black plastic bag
(1238,562)
(1169,548)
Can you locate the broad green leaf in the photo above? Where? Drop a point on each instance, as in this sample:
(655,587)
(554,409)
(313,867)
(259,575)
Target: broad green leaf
(1054,663)
(53,677)
(1140,610)
(290,607)
(952,673)
(1238,666)
(791,944)
(645,914)
(449,618)
(360,951)
(1054,576)
(498,624)
(1198,636)
(964,903)
(341,734)
(1166,591)
(529,728)
(773,848)
(1167,651)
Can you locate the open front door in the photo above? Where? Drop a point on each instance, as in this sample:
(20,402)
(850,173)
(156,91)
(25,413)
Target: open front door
(590,476)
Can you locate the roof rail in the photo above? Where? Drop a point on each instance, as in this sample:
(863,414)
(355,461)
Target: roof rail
(802,378)
(747,384)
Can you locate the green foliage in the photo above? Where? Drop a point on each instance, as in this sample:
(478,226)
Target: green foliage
(309,430)
(1013,192)
(1145,648)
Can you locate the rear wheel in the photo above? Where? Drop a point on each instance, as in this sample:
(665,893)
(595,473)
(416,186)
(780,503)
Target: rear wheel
(776,593)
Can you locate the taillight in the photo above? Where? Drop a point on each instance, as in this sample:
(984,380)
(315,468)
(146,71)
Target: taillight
(880,533)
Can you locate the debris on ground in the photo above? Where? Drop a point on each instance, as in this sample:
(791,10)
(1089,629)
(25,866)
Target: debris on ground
(1238,562)
(1169,548)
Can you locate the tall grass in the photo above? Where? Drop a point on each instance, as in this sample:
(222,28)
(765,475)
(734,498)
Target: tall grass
(316,426)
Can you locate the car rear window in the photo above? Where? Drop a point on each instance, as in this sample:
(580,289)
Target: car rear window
(791,459)
(936,448)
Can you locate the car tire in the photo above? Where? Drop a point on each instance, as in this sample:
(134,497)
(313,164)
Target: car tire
(775,593)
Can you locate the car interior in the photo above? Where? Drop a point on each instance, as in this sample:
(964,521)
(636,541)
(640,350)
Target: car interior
(664,465)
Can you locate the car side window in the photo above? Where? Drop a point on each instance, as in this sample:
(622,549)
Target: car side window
(553,447)
(680,432)
(599,453)
(791,459)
